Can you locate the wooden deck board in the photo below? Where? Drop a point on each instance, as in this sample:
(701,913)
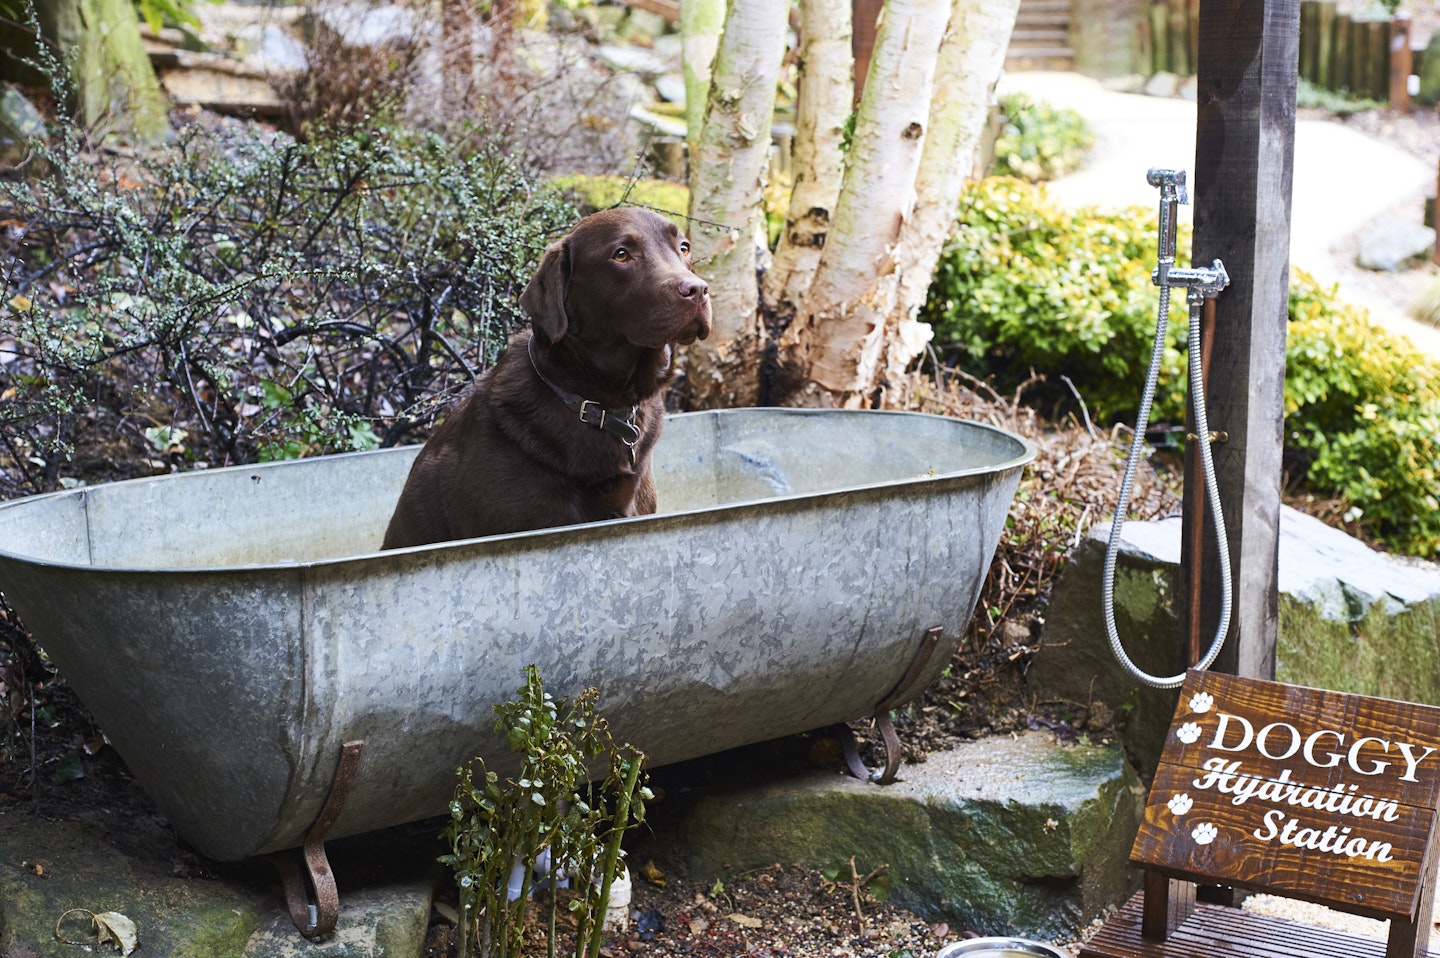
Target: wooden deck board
(1217,930)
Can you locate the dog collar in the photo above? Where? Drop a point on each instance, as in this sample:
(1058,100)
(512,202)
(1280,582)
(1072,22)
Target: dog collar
(617,422)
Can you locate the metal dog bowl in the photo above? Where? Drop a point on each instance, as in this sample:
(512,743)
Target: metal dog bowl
(1000,948)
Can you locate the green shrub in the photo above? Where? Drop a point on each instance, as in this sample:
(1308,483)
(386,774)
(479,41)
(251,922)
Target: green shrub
(1339,103)
(1362,406)
(240,296)
(1025,284)
(1028,286)
(1039,141)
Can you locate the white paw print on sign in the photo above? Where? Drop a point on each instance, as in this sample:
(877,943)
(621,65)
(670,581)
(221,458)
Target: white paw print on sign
(1201,702)
(1180,804)
(1204,833)
(1188,733)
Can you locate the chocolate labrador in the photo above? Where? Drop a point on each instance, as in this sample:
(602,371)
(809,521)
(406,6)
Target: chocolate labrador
(562,428)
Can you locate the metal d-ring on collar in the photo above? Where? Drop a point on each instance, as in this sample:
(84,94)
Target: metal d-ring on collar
(617,422)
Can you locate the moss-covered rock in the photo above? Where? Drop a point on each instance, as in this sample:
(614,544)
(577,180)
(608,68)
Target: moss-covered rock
(48,868)
(1002,836)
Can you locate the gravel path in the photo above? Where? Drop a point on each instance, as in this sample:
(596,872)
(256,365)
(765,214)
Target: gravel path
(1348,174)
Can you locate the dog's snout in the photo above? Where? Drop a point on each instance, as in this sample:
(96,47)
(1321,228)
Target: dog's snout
(694,288)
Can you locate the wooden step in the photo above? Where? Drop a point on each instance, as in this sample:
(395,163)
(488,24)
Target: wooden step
(1050,37)
(1054,7)
(1021,61)
(1215,930)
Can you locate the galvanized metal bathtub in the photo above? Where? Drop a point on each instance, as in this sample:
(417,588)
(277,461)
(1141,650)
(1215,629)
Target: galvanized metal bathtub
(231,629)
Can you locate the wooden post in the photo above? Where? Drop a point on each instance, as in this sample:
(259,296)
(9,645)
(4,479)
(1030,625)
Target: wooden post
(1179,44)
(1400,62)
(1160,34)
(1377,58)
(1244,166)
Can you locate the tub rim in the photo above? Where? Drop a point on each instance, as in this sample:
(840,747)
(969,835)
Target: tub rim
(1027,454)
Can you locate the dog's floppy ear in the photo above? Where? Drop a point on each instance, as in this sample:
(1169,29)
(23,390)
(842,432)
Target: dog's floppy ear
(544,297)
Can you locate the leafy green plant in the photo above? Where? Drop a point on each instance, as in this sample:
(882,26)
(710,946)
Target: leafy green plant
(1039,141)
(1026,285)
(156,13)
(1336,102)
(1362,406)
(550,807)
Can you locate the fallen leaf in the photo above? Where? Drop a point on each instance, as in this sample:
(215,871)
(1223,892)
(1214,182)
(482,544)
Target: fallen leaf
(652,873)
(117,929)
(447,912)
(745,921)
(70,767)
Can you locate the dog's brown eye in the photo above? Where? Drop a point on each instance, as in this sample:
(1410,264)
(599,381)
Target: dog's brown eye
(684,248)
(620,255)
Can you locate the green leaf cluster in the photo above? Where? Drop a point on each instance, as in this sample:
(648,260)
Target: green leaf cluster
(1039,141)
(550,806)
(157,13)
(1025,284)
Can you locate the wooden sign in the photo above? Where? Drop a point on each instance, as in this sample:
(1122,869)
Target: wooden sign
(1311,794)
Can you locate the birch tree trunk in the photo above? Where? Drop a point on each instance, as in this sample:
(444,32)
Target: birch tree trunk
(854,262)
(972,57)
(701,24)
(831,352)
(825,102)
(727,180)
(115,87)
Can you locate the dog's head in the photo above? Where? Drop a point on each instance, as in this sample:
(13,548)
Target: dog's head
(620,274)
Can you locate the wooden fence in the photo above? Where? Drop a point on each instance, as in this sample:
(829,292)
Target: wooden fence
(1355,53)
(1169,39)
(1367,56)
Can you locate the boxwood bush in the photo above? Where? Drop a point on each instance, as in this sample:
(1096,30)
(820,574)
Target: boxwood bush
(1362,406)
(1039,141)
(1026,285)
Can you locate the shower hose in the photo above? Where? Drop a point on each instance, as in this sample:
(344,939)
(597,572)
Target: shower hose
(1132,462)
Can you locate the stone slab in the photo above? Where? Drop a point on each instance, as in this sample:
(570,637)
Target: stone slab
(1005,835)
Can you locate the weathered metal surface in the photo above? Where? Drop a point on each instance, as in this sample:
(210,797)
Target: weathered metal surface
(232,629)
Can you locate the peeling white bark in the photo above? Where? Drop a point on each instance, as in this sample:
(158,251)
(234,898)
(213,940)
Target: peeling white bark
(972,58)
(826,95)
(701,24)
(727,180)
(833,339)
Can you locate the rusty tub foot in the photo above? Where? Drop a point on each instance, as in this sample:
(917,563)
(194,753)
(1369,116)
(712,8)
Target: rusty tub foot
(905,689)
(317,919)
(893,751)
